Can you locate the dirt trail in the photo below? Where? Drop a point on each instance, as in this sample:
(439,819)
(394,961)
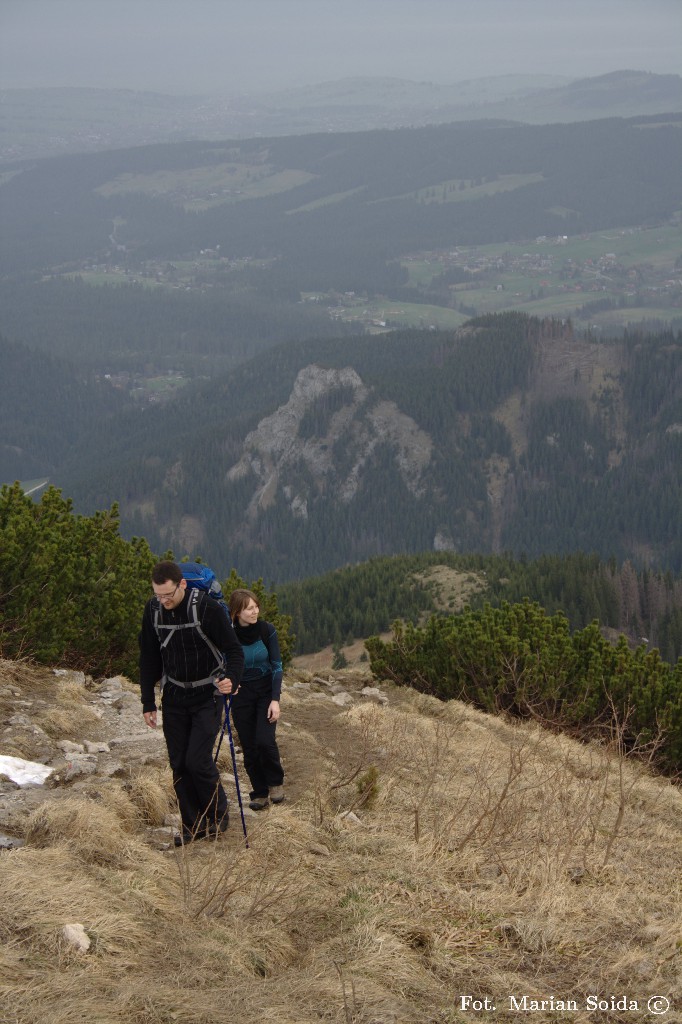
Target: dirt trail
(93,734)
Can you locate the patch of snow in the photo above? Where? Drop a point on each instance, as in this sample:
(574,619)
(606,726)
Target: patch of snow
(24,773)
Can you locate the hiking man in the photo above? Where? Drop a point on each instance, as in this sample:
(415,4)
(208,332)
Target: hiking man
(188,644)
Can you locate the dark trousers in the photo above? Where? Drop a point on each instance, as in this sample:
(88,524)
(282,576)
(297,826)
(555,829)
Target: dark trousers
(257,736)
(190,729)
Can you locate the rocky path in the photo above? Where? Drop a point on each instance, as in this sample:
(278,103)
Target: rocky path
(89,732)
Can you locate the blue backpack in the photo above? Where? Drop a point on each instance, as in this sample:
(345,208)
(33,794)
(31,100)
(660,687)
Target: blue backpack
(200,577)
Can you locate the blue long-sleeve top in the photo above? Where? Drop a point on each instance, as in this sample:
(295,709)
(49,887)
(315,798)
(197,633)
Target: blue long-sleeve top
(262,655)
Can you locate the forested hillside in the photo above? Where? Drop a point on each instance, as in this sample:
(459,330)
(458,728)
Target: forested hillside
(508,435)
(48,407)
(355,601)
(138,330)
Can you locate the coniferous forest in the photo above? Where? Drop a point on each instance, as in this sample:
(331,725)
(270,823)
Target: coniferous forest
(490,452)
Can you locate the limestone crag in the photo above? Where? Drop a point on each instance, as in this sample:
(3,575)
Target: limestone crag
(275,452)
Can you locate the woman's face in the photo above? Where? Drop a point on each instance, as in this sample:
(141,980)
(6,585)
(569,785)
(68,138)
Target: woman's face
(249,614)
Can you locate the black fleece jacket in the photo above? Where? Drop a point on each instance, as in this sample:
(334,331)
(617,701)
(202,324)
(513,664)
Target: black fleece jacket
(186,657)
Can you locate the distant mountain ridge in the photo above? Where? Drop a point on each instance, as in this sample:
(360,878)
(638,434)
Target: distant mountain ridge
(46,122)
(533,99)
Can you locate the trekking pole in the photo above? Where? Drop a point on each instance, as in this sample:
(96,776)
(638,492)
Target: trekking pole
(226,725)
(222,733)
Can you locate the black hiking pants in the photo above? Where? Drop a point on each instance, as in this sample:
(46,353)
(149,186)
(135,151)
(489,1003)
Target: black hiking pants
(191,720)
(257,735)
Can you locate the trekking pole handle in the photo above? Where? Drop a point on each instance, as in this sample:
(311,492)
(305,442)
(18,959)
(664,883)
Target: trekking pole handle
(218,676)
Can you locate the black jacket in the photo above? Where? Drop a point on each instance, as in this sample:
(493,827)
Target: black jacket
(186,656)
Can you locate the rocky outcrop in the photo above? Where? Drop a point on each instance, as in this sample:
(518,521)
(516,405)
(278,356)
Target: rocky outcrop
(276,452)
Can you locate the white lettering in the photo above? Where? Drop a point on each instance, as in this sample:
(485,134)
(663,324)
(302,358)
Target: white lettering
(477,1005)
(611,1003)
(524,1004)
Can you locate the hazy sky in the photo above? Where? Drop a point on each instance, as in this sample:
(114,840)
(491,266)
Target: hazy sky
(228,46)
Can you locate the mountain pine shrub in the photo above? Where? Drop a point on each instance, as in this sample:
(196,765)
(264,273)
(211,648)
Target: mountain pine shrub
(71,589)
(519,660)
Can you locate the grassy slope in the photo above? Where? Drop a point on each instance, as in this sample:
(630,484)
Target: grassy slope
(495,859)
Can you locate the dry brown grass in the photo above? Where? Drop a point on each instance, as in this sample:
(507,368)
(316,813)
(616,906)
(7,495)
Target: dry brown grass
(151,793)
(496,859)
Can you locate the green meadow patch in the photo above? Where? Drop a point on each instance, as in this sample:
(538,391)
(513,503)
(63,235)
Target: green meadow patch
(198,188)
(460,190)
(557,276)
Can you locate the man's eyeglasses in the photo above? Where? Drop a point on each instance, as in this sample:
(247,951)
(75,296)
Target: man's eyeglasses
(168,597)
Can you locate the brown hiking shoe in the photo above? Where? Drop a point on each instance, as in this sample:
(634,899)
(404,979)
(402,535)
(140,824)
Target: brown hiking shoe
(259,803)
(277,794)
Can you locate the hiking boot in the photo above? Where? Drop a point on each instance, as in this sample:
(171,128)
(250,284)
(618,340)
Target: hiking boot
(185,837)
(216,829)
(259,803)
(277,794)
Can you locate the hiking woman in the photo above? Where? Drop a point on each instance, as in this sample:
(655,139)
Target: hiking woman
(255,707)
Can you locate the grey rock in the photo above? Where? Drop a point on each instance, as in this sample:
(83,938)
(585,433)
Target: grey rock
(374,693)
(319,850)
(351,818)
(10,842)
(22,721)
(96,748)
(71,675)
(79,764)
(69,747)
(76,936)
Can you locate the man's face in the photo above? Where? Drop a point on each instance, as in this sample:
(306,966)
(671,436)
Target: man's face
(170,594)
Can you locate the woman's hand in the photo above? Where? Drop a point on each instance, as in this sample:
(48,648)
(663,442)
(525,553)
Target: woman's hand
(273,711)
(224,685)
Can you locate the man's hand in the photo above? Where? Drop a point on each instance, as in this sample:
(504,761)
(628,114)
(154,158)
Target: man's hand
(150,718)
(224,685)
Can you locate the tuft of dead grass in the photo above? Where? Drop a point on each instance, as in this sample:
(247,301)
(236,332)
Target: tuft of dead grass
(94,833)
(150,791)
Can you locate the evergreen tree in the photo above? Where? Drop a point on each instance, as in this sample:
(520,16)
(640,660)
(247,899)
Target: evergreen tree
(71,589)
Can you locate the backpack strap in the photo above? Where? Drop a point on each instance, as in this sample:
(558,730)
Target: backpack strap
(194,623)
(194,599)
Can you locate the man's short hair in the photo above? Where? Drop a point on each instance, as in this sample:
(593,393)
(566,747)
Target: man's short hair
(166,572)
